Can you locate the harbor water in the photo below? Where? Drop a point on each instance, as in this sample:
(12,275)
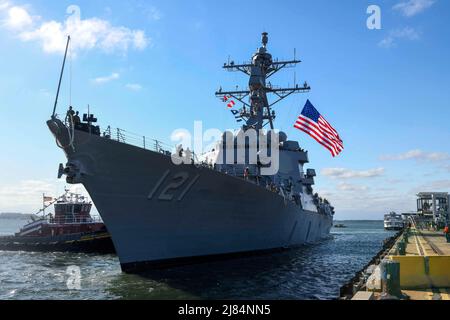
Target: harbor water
(310,272)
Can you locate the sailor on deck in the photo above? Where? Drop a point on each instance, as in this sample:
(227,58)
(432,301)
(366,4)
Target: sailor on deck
(76,119)
(70,114)
(246,173)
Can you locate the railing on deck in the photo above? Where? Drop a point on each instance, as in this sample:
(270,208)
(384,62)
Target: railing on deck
(74,220)
(137,140)
(127,137)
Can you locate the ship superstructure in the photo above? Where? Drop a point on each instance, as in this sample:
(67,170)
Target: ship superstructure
(435,206)
(161,211)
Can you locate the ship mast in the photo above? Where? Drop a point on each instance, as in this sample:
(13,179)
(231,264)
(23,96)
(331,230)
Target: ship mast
(257,112)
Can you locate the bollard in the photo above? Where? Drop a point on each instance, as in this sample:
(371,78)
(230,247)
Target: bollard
(390,280)
(401,248)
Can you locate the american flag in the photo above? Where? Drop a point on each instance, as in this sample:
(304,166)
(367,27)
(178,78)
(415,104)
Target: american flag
(47,199)
(311,122)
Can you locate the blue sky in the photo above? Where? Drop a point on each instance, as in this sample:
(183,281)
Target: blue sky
(153,66)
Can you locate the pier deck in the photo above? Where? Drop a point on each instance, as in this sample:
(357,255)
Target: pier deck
(427,243)
(428,294)
(424,267)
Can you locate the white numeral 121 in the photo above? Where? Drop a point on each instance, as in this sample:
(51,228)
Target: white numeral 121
(176,182)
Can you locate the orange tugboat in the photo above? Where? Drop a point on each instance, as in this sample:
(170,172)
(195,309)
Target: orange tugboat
(71,228)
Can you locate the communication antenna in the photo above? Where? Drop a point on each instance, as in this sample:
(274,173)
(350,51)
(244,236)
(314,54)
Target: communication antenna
(257,110)
(60,77)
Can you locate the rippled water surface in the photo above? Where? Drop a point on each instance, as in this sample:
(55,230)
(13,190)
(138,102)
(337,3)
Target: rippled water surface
(310,272)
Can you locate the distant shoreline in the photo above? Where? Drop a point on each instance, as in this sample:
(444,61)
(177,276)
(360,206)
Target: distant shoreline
(15,215)
(361,220)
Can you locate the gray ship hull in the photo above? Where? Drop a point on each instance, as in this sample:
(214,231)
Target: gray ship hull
(161,214)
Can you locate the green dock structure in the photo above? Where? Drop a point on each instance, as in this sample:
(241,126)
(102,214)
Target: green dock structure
(415,267)
(424,264)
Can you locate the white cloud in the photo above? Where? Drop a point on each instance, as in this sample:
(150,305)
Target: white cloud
(432,186)
(413,7)
(392,181)
(4,5)
(407,33)
(359,202)
(386,42)
(26,187)
(418,155)
(153,13)
(440,185)
(342,173)
(86,34)
(139,40)
(18,18)
(350,187)
(26,196)
(103,80)
(133,86)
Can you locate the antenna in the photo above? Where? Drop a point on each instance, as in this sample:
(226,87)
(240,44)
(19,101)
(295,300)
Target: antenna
(265,39)
(257,111)
(60,77)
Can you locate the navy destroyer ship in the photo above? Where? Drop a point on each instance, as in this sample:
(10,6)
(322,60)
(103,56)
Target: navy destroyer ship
(162,213)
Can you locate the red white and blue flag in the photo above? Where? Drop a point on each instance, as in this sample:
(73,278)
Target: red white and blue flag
(230,104)
(313,123)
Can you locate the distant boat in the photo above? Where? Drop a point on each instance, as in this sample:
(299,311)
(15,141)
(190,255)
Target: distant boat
(71,229)
(393,221)
(340,225)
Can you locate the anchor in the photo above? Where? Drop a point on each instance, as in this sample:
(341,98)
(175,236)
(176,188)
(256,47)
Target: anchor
(71,171)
